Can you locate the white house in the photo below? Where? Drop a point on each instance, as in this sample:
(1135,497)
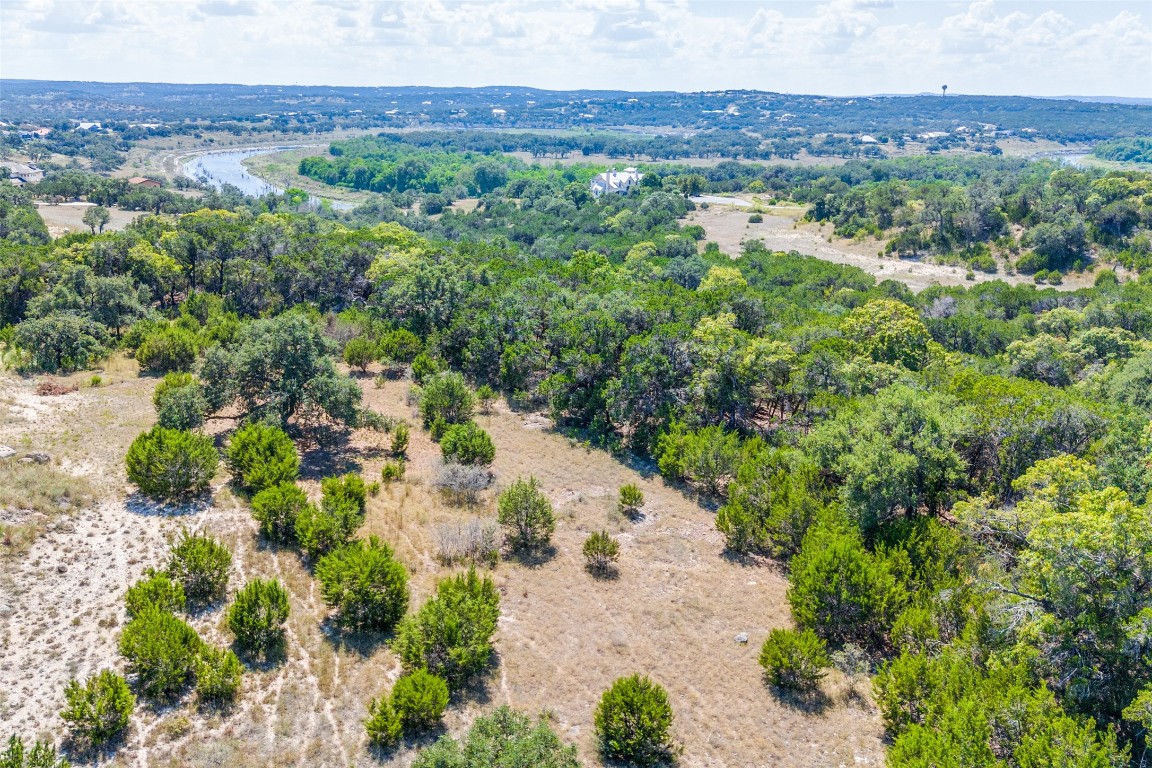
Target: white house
(615,182)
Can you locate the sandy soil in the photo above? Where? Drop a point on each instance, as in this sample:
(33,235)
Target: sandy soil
(68,217)
(673,613)
(782,230)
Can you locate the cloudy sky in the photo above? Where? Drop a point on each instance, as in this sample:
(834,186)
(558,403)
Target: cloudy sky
(839,47)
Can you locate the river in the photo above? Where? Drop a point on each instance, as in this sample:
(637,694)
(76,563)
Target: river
(225,166)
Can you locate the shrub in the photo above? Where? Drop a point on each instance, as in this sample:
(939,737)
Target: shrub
(601,552)
(218,675)
(60,342)
(261,455)
(365,584)
(840,590)
(472,542)
(504,739)
(463,484)
(171,463)
(400,345)
(631,500)
(756,218)
(98,711)
(41,755)
(321,529)
(467,444)
(419,699)
(200,564)
(424,368)
(277,508)
(383,725)
(451,634)
(400,438)
(181,407)
(393,471)
(343,491)
(793,659)
(156,590)
(485,396)
(161,651)
(446,396)
(359,352)
(257,615)
(632,722)
(171,349)
(771,504)
(170,382)
(526,515)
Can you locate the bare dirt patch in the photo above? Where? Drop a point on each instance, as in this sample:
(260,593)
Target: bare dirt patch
(782,230)
(69,217)
(672,613)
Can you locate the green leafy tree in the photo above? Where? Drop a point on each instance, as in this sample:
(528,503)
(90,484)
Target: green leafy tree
(218,676)
(631,500)
(182,407)
(262,455)
(897,453)
(41,755)
(257,615)
(400,345)
(170,464)
(161,651)
(504,739)
(155,590)
(446,396)
(60,343)
(383,725)
(171,349)
(633,720)
(419,699)
(277,509)
(467,444)
(281,368)
(451,634)
(98,710)
(365,584)
(841,591)
(200,565)
(794,660)
(96,218)
(707,457)
(400,436)
(601,551)
(359,353)
(526,515)
(888,331)
(771,504)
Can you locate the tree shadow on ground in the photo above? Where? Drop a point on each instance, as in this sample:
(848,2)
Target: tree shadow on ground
(266,661)
(327,452)
(749,560)
(533,558)
(363,643)
(139,504)
(813,702)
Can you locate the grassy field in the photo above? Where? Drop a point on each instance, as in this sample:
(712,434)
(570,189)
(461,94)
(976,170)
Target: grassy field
(673,612)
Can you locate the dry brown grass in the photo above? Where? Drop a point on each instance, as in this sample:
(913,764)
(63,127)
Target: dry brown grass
(564,636)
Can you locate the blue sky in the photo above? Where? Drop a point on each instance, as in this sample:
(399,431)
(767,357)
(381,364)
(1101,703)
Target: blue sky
(838,47)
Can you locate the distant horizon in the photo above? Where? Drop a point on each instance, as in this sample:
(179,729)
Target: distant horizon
(1101,98)
(841,48)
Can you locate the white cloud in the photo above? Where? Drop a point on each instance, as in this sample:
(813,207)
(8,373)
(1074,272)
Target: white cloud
(1044,47)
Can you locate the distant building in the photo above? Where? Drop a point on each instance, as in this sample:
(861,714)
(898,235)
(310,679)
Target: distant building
(143,181)
(615,182)
(866,139)
(89,126)
(20,174)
